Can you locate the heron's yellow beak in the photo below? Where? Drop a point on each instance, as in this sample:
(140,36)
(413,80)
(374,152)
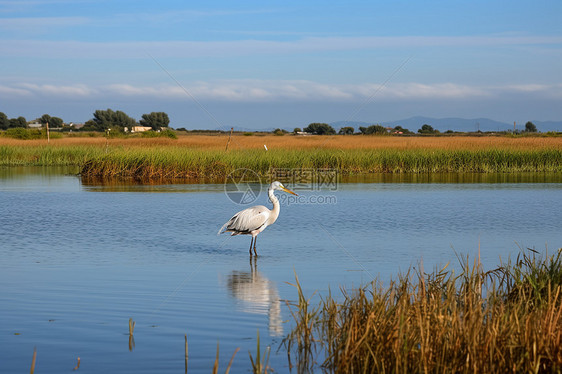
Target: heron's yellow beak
(289,191)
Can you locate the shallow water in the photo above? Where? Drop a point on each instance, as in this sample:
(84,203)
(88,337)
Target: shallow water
(80,259)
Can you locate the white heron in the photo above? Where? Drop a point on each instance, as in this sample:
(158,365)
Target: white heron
(254,220)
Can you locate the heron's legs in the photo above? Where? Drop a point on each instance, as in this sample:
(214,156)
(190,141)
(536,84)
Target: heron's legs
(251,246)
(255,241)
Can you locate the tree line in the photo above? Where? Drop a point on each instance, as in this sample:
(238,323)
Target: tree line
(102,120)
(9,123)
(326,129)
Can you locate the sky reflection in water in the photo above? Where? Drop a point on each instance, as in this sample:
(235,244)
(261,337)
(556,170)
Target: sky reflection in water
(79,260)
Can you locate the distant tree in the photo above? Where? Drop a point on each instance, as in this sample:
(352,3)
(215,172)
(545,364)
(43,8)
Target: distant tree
(427,129)
(55,122)
(45,118)
(297,130)
(348,130)
(52,121)
(320,129)
(156,120)
(398,129)
(17,122)
(279,132)
(13,123)
(4,122)
(530,127)
(377,129)
(373,129)
(90,125)
(22,121)
(109,119)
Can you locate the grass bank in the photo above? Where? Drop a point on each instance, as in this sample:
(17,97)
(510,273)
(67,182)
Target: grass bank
(206,157)
(44,155)
(189,163)
(505,320)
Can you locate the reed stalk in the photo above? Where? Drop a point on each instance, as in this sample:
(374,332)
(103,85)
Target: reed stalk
(216,363)
(131,326)
(231,360)
(505,320)
(33,360)
(131,337)
(77,365)
(302,336)
(261,364)
(186,352)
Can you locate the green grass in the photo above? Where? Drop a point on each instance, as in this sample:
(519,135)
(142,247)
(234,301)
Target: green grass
(183,162)
(47,156)
(29,134)
(505,320)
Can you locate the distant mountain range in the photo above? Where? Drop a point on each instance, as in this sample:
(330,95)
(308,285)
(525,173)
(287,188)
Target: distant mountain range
(454,124)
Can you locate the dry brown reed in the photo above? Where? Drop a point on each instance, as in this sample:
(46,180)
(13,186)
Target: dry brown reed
(131,337)
(33,360)
(77,365)
(216,363)
(306,142)
(505,320)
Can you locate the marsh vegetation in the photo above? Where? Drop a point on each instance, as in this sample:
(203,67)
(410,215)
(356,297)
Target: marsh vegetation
(504,320)
(206,157)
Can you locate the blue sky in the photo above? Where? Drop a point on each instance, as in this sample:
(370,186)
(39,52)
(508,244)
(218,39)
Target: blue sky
(284,64)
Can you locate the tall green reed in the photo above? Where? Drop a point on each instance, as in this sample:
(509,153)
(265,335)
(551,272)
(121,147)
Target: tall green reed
(183,162)
(261,364)
(177,162)
(47,155)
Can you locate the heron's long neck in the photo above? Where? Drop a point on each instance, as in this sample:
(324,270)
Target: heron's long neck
(276,206)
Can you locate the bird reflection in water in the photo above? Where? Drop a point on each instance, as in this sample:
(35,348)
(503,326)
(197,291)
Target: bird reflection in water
(258,295)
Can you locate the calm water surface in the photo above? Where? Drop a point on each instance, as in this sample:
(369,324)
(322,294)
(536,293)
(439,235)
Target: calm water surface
(78,260)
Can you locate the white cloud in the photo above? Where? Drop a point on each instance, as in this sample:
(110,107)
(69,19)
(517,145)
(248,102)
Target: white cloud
(552,91)
(242,90)
(7,91)
(282,90)
(132,91)
(31,89)
(439,90)
(529,87)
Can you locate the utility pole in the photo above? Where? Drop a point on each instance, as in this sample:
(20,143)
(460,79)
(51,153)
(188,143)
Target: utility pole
(48,136)
(514,127)
(229,137)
